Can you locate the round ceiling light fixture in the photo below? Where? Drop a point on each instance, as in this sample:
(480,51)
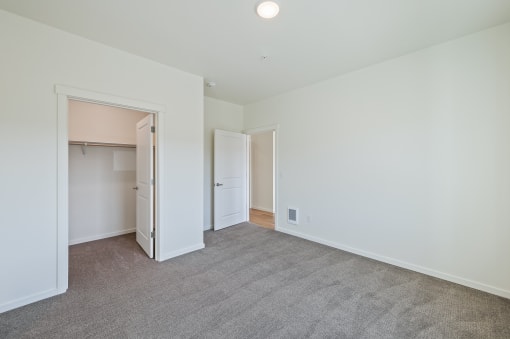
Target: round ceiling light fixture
(268,9)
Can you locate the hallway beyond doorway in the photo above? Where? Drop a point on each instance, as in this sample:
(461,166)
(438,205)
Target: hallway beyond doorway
(262,218)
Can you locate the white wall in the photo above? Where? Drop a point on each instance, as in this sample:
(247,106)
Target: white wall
(261,171)
(102,202)
(217,115)
(101,123)
(407,161)
(34,58)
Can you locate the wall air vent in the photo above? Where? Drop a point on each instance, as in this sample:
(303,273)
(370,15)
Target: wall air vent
(292,215)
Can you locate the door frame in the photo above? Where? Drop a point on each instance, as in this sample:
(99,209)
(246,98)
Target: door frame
(64,94)
(260,130)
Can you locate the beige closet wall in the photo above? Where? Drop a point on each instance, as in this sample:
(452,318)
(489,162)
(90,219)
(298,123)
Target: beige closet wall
(100,123)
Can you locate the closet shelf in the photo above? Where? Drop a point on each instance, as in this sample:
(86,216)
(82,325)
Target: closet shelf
(107,144)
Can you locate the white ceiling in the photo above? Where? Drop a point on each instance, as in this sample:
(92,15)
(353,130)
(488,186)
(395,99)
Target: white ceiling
(224,41)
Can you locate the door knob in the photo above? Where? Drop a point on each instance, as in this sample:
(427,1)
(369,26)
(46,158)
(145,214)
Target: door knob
(135,188)
(218,184)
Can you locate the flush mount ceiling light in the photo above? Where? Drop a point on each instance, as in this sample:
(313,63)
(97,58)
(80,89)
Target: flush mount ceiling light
(268,9)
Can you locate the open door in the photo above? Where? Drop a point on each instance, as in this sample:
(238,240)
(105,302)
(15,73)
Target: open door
(145,185)
(230,179)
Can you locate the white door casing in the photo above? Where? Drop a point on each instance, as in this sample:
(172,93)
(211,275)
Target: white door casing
(230,179)
(145,185)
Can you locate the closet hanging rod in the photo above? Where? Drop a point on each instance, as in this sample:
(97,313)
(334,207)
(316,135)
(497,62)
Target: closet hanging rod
(107,144)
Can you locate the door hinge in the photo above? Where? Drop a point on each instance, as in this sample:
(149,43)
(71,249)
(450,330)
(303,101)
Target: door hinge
(153,129)
(153,234)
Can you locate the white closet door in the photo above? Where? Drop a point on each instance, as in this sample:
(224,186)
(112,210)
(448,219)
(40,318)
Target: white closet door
(145,185)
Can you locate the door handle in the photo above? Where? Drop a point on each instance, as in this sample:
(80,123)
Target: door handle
(135,188)
(218,184)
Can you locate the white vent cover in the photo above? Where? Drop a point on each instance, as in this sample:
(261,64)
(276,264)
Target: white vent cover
(292,215)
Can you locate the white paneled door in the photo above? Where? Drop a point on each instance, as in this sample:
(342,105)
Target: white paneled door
(145,185)
(230,179)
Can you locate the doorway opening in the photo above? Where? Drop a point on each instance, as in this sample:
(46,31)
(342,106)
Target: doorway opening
(261,150)
(233,178)
(262,178)
(65,94)
(111,164)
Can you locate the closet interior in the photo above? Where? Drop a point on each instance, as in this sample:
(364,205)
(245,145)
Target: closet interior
(102,171)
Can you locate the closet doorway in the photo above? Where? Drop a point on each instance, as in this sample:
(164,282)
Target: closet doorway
(111,173)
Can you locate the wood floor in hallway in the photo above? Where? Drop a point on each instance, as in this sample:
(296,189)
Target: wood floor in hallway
(262,218)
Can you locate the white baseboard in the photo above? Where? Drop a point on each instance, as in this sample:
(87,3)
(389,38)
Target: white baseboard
(28,300)
(100,236)
(173,254)
(420,269)
(264,209)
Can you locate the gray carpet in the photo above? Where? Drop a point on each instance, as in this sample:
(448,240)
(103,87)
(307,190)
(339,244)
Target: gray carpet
(251,282)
